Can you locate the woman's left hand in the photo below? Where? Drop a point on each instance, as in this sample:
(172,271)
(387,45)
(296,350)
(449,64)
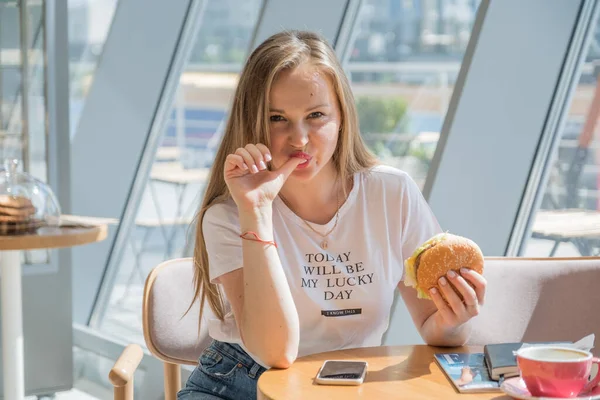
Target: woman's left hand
(455,312)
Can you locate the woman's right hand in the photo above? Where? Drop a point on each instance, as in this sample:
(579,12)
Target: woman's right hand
(251,184)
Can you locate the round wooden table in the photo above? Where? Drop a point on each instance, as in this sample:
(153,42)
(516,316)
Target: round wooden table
(398,372)
(13,365)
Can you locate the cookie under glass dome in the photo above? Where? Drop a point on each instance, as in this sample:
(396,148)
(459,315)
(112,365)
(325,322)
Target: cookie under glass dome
(26,203)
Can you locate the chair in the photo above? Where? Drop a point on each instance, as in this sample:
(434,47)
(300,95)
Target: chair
(544,299)
(169,335)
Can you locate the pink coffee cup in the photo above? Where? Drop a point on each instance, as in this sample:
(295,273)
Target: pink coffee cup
(556,371)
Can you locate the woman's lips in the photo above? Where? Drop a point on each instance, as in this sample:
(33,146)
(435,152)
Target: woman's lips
(306,157)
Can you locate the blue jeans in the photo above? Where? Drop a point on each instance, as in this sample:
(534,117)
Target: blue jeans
(224,371)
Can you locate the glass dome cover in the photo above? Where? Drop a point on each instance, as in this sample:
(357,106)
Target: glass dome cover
(26,203)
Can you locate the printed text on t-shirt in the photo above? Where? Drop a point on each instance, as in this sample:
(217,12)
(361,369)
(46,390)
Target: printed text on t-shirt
(336,275)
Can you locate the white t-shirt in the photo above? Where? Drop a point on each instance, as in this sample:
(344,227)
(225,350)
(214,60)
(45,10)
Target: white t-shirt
(343,294)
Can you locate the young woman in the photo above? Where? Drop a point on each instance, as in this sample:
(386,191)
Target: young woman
(302,235)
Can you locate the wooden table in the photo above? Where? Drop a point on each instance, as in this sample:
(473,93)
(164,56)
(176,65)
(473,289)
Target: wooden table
(398,372)
(13,364)
(176,174)
(173,173)
(569,223)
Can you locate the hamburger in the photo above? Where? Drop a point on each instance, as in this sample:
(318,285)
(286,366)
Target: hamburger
(434,258)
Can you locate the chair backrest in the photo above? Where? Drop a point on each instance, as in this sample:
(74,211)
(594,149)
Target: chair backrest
(169,335)
(550,299)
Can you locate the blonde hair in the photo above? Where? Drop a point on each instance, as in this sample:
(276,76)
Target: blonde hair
(249,123)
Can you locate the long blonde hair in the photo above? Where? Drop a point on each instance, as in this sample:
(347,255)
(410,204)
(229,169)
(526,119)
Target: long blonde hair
(248,123)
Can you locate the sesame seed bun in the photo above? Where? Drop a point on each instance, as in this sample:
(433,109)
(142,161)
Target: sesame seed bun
(437,256)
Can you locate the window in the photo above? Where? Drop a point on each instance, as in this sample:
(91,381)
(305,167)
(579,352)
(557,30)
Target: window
(164,227)
(403,65)
(22,101)
(89,23)
(567,222)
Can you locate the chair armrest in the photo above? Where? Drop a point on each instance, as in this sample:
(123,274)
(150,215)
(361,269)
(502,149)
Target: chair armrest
(121,374)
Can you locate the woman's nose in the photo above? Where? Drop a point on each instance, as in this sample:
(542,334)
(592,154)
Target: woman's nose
(298,135)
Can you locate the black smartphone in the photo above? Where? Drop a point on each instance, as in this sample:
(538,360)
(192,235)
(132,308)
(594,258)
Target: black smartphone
(342,372)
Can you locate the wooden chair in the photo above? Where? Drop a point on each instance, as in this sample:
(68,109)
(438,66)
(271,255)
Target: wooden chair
(121,375)
(171,336)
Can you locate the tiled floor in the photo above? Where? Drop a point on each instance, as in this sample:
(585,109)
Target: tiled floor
(70,395)
(75,394)
(84,390)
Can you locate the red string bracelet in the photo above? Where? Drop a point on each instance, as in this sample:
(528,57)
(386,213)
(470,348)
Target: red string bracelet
(256,238)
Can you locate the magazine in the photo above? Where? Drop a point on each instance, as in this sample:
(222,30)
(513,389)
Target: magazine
(467,372)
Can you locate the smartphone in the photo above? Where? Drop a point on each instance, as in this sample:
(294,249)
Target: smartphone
(337,372)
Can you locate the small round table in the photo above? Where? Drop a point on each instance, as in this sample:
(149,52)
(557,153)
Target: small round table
(396,372)
(11,296)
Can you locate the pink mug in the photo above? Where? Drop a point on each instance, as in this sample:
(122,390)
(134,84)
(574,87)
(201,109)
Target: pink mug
(556,371)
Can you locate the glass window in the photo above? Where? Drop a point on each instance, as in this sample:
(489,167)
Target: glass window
(23,93)
(163,227)
(567,222)
(22,74)
(89,23)
(23,128)
(22,85)
(403,66)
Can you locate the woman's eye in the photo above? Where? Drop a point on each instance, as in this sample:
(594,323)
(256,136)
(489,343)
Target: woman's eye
(276,118)
(316,114)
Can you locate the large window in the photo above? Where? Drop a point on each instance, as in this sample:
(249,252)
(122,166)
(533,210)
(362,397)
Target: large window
(89,23)
(22,85)
(403,65)
(567,222)
(23,128)
(164,227)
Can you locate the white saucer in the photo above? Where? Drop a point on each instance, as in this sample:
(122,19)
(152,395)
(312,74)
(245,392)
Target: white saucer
(515,387)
